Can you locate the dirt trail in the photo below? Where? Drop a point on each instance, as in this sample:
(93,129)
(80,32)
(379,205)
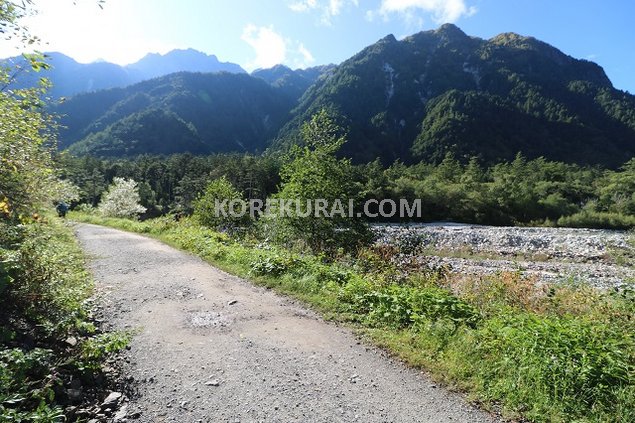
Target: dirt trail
(213,348)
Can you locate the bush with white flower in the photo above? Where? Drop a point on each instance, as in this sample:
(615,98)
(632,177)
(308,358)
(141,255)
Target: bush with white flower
(121,199)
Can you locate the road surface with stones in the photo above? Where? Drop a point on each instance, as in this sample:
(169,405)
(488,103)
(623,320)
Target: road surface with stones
(211,347)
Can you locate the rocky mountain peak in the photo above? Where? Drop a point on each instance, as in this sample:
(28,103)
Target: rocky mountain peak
(388,39)
(450,31)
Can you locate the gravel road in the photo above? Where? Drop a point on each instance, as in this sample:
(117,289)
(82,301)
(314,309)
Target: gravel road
(210,347)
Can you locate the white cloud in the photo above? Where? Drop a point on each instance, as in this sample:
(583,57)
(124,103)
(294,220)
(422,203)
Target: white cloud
(85,32)
(442,11)
(335,7)
(303,6)
(327,8)
(272,48)
(306,58)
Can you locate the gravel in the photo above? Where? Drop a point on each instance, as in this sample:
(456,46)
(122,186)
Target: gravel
(211,347)
(549,254)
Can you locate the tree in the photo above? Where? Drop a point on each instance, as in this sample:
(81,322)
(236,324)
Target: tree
(121,199)
(10,14)
(42,284)
(315,173)
(26,170)
(221,206)
(617,190)
(27,175)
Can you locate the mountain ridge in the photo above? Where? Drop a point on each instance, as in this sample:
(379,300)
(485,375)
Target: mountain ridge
(294,82)
(70,77)
(386,91)
(442,92)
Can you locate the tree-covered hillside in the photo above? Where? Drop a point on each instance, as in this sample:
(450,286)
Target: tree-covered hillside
(182,112)
(293,82)
(433,93)
(443,91)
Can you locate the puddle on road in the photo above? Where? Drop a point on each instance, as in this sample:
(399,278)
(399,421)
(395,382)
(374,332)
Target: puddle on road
(208,319)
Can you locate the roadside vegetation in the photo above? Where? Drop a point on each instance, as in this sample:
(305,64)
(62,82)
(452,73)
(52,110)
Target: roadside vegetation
(542,353)
(50,352)
(549,354)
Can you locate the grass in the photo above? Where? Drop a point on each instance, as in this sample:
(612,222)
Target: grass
(623,256)
(469,254)
(44,287)
(545,354)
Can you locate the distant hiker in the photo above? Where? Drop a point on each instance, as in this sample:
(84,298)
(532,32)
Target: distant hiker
(61,208)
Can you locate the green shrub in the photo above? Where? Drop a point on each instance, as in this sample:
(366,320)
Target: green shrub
(273,265)
(44,278)
(27,386)
(539,362)
(598,220)
(19,369)
(325,274)
(221,206)
(44,287)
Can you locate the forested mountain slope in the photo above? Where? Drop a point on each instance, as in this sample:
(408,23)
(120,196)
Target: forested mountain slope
(193,112)
(293,82)
(442,91)
(414,99)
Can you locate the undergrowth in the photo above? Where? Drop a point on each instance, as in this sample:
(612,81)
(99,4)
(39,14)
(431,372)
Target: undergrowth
(546,354)
(46,336)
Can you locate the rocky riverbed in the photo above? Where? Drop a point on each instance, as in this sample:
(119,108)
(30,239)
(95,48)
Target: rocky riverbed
(603,258)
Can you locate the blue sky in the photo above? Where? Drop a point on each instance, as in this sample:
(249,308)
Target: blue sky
(299,33)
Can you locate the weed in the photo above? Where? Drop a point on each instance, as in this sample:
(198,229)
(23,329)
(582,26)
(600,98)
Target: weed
(93,351)
(269,265)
